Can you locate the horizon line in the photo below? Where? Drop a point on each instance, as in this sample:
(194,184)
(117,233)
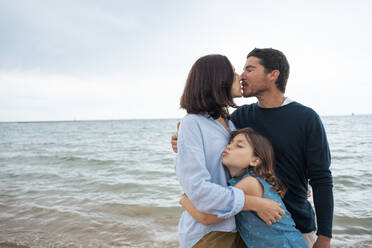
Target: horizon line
(144,118)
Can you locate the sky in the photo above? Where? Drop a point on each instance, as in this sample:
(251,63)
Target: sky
(121,59)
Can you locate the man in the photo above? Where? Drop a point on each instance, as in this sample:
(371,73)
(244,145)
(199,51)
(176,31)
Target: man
(300,144)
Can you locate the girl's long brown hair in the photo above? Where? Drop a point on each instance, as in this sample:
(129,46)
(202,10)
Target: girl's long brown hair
(262,148)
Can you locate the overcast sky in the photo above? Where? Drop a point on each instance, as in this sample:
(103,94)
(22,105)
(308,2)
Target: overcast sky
(86,60)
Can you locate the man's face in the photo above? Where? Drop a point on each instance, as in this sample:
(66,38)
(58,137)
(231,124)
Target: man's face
(254,79)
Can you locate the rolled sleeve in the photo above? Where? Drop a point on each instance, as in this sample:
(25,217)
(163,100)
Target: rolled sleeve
(238,204)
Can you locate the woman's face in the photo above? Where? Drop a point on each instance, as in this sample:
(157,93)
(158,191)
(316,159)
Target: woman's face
(236,89)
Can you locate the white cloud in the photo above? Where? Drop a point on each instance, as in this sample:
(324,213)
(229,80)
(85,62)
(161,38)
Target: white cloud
(121,59)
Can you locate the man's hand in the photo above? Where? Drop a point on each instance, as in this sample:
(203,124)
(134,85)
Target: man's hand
(322,242)
(174,139)
(184,199)
(269,211)
(308,193)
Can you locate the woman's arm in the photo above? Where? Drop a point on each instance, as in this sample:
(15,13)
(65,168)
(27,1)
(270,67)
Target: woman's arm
(250,186)
(204,218)
(194,177)
(269,211)
(253,191)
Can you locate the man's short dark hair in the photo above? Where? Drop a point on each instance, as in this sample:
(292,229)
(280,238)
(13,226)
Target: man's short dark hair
(272,59)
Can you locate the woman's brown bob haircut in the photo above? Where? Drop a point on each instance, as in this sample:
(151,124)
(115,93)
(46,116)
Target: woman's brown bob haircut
(208,87)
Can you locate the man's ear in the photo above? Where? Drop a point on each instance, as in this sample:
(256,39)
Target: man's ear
(255,161)
(274,75)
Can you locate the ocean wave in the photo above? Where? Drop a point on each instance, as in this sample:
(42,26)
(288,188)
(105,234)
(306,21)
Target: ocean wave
(11,245)
(139,210)
(58,159)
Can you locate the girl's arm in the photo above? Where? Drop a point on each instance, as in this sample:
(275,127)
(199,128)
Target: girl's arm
(204,218)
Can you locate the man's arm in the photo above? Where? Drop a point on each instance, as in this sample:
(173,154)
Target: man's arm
(318,161)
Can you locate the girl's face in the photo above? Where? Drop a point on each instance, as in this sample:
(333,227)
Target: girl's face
(236,89)
(239,154)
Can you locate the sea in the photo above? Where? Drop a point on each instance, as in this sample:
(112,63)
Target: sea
(112,183)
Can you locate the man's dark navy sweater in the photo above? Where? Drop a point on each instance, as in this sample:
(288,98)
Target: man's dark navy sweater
(302,156)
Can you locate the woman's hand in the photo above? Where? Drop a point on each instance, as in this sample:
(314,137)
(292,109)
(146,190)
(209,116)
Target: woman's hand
(268,210)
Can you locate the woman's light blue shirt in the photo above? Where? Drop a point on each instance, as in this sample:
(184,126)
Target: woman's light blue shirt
(198,165)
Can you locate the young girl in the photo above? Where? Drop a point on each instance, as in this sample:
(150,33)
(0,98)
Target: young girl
(249,158)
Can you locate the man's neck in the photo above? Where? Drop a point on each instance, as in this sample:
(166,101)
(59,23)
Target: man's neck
(271,99)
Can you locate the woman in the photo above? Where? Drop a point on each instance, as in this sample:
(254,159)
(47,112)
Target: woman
(204,132)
